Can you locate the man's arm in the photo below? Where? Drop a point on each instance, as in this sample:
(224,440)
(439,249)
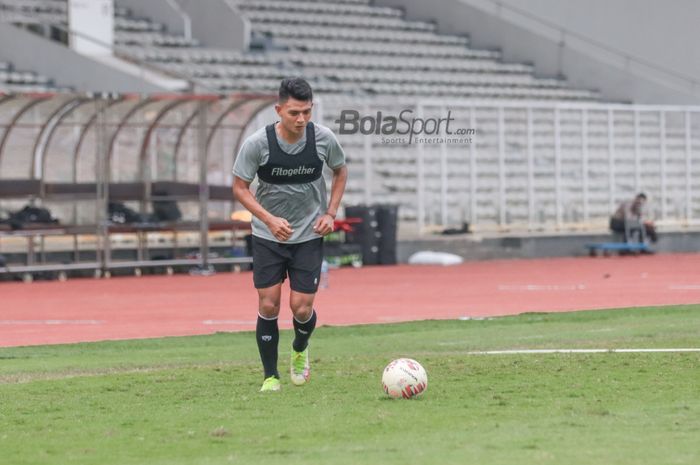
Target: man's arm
(340,178)
(324,224)
(279,227)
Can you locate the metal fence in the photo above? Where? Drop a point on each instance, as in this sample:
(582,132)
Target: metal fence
(523,166)
(517,166)
(74,154)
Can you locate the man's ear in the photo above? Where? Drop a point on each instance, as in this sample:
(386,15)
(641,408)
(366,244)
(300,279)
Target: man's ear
(278,109)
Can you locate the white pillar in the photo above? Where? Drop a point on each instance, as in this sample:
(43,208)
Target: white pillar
(91,26)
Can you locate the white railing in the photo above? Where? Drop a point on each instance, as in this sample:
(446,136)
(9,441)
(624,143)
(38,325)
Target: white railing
(529,166)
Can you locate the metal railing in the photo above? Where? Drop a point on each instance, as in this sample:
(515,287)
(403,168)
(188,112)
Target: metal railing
(526,166)
(75,154)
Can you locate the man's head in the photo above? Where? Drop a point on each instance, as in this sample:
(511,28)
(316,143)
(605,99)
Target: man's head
(639,202)
(294,104)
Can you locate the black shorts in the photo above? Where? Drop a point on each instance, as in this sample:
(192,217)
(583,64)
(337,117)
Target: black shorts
(273,261)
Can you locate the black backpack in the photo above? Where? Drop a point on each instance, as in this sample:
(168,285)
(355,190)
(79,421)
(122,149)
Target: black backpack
(31,214)
(119,213)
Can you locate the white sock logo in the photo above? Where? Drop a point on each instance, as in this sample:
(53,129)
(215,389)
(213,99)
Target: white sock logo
(266,338)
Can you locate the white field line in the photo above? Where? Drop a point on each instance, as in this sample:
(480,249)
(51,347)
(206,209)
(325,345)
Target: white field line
(49,322)
(580,351)
(541,287)
(228,322)
(684,287)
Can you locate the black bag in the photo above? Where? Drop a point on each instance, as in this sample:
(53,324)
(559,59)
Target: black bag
(31,214)
(119,213)
(166,210)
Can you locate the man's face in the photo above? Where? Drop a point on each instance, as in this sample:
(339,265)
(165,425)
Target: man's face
(638,204)
(294,114)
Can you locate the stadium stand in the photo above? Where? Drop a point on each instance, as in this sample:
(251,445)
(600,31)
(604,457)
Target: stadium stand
(12,80)
(354,52)
(342,47)
(36,12)
(348,48)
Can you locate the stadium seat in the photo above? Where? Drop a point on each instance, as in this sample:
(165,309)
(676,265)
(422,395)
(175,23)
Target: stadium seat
(345,46)
(348,46)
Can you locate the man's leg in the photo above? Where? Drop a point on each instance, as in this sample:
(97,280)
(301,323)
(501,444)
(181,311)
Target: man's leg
(302,306)
(269,271)
(304,318)
(304,276)
(267,330)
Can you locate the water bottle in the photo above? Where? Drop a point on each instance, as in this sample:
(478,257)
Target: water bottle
(323,284)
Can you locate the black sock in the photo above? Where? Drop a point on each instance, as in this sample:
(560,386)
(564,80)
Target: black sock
(302,332)
(268,336)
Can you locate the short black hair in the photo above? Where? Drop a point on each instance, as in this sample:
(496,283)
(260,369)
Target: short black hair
(642,196)
(295,87)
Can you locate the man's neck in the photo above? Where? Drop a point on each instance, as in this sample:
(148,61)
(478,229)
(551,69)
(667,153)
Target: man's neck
(288,137)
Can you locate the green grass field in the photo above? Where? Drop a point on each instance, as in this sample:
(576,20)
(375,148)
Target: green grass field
(194,400)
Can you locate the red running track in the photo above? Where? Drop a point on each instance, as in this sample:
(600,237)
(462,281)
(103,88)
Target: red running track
(155,306)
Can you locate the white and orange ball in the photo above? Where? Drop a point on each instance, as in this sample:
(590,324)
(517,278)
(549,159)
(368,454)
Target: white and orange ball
(404,377)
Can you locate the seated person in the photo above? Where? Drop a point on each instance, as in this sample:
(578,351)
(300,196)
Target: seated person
(628,219)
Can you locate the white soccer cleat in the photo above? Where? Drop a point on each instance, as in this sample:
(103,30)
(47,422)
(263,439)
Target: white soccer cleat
(299,370)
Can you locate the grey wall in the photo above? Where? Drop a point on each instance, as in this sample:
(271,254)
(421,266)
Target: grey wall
(489,248)
(216,23)
(161,11)
(655,31)
(27,51)
(665,32)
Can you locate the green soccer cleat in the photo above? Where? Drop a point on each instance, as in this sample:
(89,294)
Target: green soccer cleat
(300,370)
(270,384)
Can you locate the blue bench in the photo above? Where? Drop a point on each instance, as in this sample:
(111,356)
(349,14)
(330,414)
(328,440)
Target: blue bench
(606,247)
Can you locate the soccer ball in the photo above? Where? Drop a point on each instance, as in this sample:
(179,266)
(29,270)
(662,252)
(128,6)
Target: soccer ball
(404,377)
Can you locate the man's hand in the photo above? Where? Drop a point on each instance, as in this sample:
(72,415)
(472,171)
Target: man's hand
(280,228)
(324,224)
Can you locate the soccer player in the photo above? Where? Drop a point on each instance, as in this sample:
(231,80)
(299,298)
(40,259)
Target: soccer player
(291,214)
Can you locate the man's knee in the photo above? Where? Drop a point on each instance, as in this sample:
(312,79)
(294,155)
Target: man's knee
(302,309)
(269,307)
